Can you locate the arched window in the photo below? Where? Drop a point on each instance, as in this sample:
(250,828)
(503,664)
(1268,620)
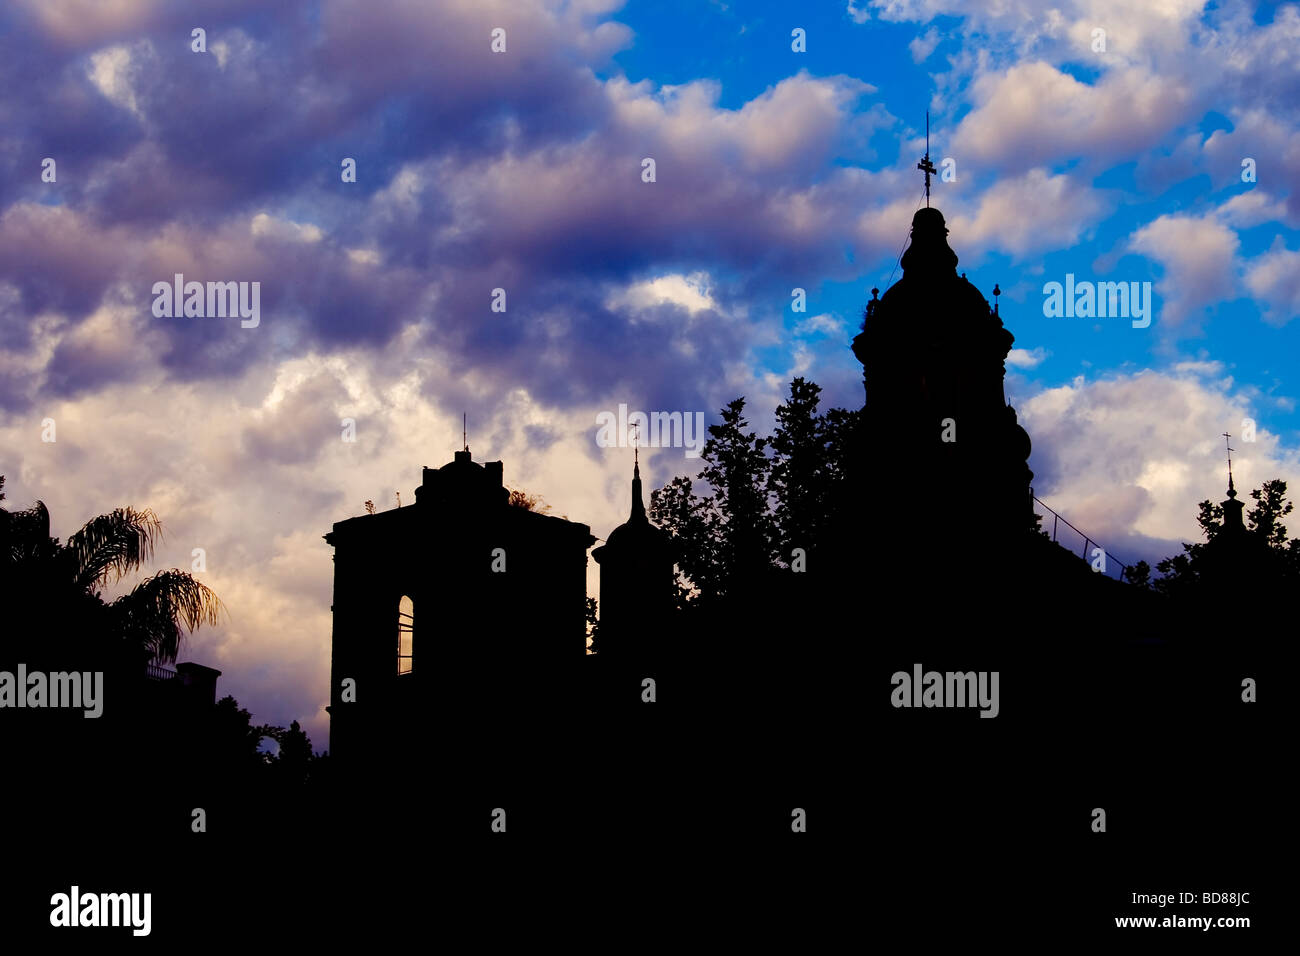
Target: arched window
(405,634)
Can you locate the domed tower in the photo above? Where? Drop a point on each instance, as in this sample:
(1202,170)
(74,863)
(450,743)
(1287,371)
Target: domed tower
(636,583)
(936,420)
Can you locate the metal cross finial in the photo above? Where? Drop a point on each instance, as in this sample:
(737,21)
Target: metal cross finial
(925,165)
(1231,492)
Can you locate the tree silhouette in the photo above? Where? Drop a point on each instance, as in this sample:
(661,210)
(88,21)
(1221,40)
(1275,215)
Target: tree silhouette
(292,764)
(723,540)
(1183,573)
(767,497)
(522,499)
(1138,574)
(807,467)
(1265,518)
(41,576)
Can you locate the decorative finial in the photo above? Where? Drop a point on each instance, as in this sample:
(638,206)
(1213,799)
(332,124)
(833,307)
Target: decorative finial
(636,448)
(870,310)
(464,430)
(996,292)
(1232,492)
(925,165)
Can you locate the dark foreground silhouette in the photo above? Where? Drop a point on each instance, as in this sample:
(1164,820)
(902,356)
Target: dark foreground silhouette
(478,754)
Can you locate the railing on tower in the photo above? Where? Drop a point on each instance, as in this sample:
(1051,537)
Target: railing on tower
(1071,543)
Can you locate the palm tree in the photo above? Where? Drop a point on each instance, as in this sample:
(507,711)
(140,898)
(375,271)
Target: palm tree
(62,582)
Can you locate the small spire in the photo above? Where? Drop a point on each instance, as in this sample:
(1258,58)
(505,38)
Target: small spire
(1232,508)
(464,430)
(996,292)
(1232,492)
(638,504)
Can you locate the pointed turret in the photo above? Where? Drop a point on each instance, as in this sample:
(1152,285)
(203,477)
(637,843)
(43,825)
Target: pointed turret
(636,581)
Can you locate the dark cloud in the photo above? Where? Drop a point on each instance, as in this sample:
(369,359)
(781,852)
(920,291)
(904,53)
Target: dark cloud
(475,171)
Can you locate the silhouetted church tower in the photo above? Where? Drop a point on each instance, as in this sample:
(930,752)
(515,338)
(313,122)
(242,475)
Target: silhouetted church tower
(938,511)
(444,601)
(1236,560)
(636,583)
(936,427)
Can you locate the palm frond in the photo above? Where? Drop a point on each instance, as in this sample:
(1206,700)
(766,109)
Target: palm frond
(112,544)
(151,616)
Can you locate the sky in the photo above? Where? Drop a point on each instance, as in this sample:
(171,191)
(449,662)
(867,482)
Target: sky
(1163,149)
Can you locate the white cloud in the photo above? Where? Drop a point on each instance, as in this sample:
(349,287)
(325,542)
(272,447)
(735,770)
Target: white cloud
(1027,358)
(1199,255)
(1251,209)
(790,126)
(1274,279)
(825,324)
(923,45)
(1033,114)
(283,229)
(1031,213)
(366,257)
(1129,456)
(689,292)
(110,71)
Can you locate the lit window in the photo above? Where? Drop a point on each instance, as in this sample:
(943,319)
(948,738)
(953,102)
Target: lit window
(405,634)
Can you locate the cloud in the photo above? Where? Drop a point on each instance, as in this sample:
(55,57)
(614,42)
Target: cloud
(1268,138)
(523,171)
(1026,358)
(1199,258)
(1033,114)
(1030,213)
(688,292)
(824,324)
(1126,457)
(110,71)
(254,469)
(1062,30)
(1274,279)
(1251,209)
(923,45)
(283,230)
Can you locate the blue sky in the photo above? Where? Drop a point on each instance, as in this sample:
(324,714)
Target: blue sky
(521,170)
(746,47)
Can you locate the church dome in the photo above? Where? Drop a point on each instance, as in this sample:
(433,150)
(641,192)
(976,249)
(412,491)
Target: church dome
(636,534)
